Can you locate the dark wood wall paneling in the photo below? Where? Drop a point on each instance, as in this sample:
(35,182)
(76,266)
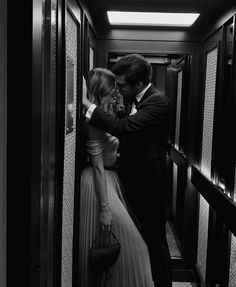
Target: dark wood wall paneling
(144,46)
(3,140)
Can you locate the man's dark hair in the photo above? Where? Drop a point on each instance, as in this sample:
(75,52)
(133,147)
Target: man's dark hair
(134,67)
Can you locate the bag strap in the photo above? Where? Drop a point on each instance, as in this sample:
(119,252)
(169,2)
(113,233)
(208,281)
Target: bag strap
(110,232)
(114,236)
(95,240)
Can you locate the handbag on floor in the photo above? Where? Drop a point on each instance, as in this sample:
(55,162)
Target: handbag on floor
(104,255)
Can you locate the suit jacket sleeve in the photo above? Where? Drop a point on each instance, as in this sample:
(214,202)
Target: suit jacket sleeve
(154,111)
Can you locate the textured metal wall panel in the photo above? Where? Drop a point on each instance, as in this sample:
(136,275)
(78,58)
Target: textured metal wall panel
(202,237)
(178,108)
(208,121)
(69,165)
(232,271)
(209,105)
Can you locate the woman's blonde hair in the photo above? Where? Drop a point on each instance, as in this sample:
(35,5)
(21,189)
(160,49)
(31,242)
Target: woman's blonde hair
(100,82)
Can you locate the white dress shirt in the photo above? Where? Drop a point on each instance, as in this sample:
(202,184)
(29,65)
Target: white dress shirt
(138,98)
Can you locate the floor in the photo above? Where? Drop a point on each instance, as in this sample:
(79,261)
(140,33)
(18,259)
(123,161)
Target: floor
(174,250)
(175,253)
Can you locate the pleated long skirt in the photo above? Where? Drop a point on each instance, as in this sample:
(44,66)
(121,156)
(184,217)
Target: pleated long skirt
(132,268)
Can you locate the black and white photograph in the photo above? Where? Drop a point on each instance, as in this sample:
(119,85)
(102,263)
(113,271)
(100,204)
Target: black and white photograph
(118,143)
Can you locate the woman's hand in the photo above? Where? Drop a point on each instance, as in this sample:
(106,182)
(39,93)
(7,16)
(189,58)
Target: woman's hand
(105,218)
(85,100)
(84,92)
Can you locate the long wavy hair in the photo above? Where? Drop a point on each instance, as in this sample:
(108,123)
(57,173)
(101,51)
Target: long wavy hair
(100,82)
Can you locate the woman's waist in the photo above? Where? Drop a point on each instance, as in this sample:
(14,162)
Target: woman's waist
(107,166)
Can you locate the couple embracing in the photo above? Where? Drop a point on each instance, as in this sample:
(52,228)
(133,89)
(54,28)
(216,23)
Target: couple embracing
(130,199)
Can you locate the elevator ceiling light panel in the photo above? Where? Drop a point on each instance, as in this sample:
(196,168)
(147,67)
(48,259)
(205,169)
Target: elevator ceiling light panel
(151,19)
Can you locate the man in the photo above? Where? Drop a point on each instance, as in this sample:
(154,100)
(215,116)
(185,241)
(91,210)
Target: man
(141,166)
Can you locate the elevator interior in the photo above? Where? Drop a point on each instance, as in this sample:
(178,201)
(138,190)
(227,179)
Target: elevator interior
(51,45)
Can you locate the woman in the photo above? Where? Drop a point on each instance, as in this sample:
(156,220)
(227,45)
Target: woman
(102,204)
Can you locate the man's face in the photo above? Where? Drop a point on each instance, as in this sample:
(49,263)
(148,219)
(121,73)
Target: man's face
(127,90)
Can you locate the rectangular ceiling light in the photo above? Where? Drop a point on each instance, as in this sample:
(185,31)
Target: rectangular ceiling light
(152,19)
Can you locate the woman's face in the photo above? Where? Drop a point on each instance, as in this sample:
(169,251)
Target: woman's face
(110,97)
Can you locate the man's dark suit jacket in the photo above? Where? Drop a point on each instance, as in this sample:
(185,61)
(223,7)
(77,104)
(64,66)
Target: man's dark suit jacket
(142,136)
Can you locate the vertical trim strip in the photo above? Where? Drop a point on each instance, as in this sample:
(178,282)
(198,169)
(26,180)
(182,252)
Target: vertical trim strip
(60,120)
(3,138)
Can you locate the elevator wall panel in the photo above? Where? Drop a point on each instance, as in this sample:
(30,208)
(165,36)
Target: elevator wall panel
(142,47)
(202,237)
(206,157)
(69,156)
(178,108)
(3,139)
(208,122)
(232,271)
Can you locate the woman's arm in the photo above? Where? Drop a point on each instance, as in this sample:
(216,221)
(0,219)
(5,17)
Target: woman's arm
(85,100)
(99,177)
(105,216)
